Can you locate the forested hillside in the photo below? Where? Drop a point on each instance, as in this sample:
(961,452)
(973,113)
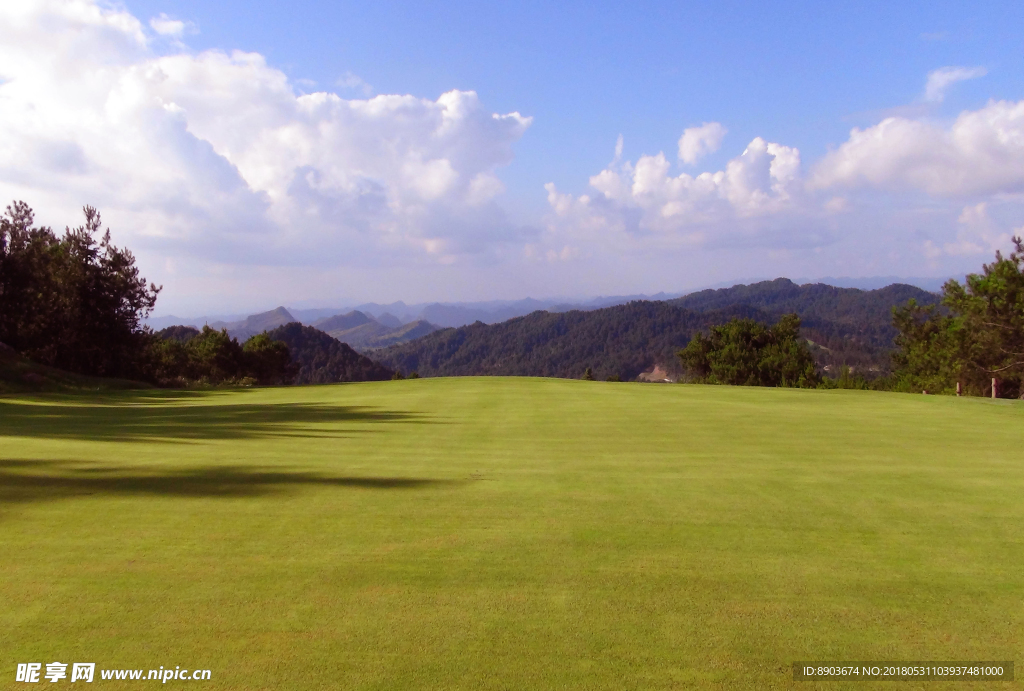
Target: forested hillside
(850,326)
(618,341)
(322,359)
(366,334)
(847,325)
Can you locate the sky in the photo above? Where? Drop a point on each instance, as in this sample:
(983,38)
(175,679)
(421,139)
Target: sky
(327,153)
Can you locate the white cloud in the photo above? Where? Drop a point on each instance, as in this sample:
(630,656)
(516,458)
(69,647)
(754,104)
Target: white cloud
(982,152)
(218,155)
(976,234)
(643,200)
(762,197)
(697,142)
(941,79)
(165,26)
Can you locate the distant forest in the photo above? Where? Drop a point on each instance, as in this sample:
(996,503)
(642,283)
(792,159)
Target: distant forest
(847,326)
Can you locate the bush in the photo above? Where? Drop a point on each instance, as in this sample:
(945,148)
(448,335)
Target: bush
(744,352)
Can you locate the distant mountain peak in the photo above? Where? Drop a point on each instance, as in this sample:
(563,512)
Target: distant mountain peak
(344,322)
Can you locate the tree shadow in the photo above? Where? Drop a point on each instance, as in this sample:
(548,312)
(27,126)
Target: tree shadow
(176,418)
(23,481)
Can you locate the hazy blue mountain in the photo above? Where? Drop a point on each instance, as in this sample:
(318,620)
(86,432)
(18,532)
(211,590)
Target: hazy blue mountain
(343,322)
(495,311)
(388,319)
(373,334)
(256,323)
(403,334)
(310,316)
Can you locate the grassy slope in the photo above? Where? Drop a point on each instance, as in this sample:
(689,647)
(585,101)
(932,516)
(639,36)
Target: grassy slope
(20,375)
(509,533)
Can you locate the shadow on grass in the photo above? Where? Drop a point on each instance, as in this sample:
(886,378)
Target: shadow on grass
(158,416)
(34,481)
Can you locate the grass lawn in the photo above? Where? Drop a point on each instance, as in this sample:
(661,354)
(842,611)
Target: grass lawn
(509,534)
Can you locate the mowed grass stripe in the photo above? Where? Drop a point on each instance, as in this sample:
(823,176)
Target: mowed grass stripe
(487,533)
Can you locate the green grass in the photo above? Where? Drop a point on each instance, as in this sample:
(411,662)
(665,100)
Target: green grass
(509,534)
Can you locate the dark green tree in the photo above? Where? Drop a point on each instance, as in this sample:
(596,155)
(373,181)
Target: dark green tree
(267,361)
(929,349)
(977,335)
(744,352)
(214,357)
(76,301)
(211,357)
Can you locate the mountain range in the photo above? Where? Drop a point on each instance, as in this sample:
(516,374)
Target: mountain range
(322,359)
(365,333)
(495,311)
(638,339)
(846,326)
(357,329)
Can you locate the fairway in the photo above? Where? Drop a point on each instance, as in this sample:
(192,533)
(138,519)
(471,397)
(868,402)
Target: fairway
(500,533)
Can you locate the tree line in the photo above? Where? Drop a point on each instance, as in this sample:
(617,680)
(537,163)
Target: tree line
(77,302)
(969,342)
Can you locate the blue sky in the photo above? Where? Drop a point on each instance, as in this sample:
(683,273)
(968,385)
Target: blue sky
(472,219)
(802,73)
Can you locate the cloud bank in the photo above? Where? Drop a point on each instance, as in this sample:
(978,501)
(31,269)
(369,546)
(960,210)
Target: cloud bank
(981,153)
(219,153)
(765,197)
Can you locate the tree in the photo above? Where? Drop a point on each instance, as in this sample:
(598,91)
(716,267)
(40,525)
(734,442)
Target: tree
(978,334)
(215,356)
(744,352)
(588,375)
(267,361)
(75,302)
(182,356)
(929,349)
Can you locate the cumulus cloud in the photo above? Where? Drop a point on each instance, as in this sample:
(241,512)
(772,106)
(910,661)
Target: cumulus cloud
(763,194)
(697,142)
(219,153)
(941,79)
(977,233)
(981,153)
(643,200)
